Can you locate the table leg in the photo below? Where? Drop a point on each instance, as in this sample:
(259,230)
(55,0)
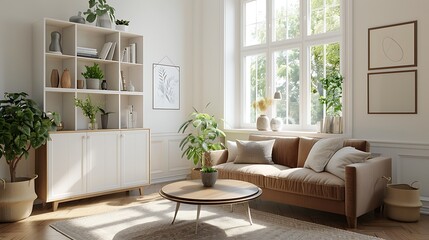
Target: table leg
(232,208)
(198,217)
(248,212)
(175,213)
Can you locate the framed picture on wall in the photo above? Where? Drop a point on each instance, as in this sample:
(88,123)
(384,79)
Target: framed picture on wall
(166,87)
(392,92)
(392,46)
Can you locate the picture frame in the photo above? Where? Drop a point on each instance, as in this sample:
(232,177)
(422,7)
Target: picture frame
(392,46)
(392,92)
(166,87)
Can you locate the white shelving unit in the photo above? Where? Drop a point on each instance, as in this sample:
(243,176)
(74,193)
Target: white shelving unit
(79,163)
(60,100)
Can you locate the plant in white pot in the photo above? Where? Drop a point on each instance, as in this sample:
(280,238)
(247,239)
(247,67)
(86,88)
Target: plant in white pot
(22,126)
(93,76)
(122,25)
(203,138)
(102,12)
(331,99)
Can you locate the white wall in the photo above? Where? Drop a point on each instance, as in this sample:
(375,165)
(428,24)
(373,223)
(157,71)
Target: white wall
(167,27)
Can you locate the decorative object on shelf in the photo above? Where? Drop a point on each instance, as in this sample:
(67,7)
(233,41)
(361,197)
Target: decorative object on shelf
(131,117)
(203,138)
(331,99)
(124,82)
(93,76)
(104,118)
(55,78)
(276,124)
(131,87)
(21,118)
(80,84)
(55,46)
(66,79)
(166,87)
(100,10)
(78,18)
(104,85)
(55,120)
(122,25)
(262,122)
(89,110)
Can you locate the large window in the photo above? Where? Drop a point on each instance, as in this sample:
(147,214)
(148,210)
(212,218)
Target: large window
(288,46)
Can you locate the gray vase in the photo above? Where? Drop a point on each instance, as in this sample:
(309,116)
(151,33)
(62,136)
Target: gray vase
(78,18)
(209,179)
(104,120)
(104,21)
(55,45)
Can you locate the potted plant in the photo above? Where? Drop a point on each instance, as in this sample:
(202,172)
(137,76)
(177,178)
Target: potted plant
(22,126)
(203,138)
(55,121)
(333,88)
(89,110)
(122,25)
(104,118)
(262,123)
(100,10)
(93,76)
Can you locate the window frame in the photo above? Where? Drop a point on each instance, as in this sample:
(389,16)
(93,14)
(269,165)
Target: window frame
(303,43)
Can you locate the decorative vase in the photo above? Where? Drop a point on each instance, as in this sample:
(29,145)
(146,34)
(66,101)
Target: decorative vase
(103,85)
(78,18)
(65,79)
(209,178)
(55,46)
(55,78)
(93,83)
(104,120)
(262,123)
(92,125)
(327,124)
(276,124)
(123,28)
(16,199)
(337,125)
(104,21)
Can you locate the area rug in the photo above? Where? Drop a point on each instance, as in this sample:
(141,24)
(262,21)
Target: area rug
(153,221)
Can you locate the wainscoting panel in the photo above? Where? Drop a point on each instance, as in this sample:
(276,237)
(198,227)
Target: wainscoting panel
(166,161)
(410,165)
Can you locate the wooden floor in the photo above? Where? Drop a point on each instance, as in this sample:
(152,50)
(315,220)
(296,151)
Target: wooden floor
(37,225)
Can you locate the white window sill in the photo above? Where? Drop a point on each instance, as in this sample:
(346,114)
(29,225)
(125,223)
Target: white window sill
(286,133)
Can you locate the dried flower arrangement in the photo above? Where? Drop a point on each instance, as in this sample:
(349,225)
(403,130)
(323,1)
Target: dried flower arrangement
(262,104)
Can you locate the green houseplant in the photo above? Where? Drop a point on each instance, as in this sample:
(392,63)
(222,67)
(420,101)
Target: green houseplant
(23,125)
(89,110)
(203,137)
(333,88)
(122,25)
(93,76)
(100,10)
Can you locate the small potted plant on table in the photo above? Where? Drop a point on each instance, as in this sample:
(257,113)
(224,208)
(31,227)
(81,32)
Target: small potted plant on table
(122,25)
(22,126)
(203,138)
(89,110)
(93,76)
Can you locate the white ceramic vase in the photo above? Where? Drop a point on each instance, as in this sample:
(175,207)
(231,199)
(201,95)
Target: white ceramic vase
(262,123)
(104,21)
(276,124)
(93,83)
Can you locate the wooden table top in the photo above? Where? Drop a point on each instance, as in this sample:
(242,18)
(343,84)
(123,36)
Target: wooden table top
(225,191)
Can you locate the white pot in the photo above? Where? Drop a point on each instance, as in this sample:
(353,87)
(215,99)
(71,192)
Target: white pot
(92,83)
(262,123)
(16,199)
(104,21)
(123,28)
(276,124)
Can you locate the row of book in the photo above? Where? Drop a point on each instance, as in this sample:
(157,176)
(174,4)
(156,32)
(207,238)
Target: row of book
(129,54)
(108,51)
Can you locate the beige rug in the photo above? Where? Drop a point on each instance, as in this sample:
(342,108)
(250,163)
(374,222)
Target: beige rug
(153,221)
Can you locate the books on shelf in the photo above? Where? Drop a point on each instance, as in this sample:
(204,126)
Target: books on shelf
(111,51)
(105,50)
(129,54)
(87,52)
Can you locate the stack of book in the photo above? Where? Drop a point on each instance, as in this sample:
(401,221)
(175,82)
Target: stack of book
(87,52)
(129,54)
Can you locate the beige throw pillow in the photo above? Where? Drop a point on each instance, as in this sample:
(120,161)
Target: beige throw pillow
(344,157)
(232,150)
(255,152)
(321,152)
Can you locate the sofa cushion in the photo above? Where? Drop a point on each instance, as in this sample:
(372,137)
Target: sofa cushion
(305,145)
(256,152)
(361,145)
(285,149)
(232,150)
(343,157)
(253,173)
(321,152)
(305,181)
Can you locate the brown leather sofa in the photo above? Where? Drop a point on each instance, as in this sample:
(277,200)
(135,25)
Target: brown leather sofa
(287,181)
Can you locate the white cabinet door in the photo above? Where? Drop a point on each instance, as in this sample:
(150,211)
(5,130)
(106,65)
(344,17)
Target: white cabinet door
(103,166)
(135,158)
(66,155)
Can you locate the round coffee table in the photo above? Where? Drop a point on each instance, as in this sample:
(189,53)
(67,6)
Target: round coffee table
(225,191)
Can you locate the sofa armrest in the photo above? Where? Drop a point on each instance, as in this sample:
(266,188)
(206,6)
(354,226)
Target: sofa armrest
(218,157)
(365,185)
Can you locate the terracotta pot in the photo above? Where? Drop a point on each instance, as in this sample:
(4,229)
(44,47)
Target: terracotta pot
(65,79)
(16,199)
(55,78)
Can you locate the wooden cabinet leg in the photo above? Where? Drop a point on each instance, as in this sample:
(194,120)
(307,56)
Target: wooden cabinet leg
(141,190)
(55,206)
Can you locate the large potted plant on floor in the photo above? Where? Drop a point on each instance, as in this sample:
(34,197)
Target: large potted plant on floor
(333,88)
(203,137)
(22,126)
